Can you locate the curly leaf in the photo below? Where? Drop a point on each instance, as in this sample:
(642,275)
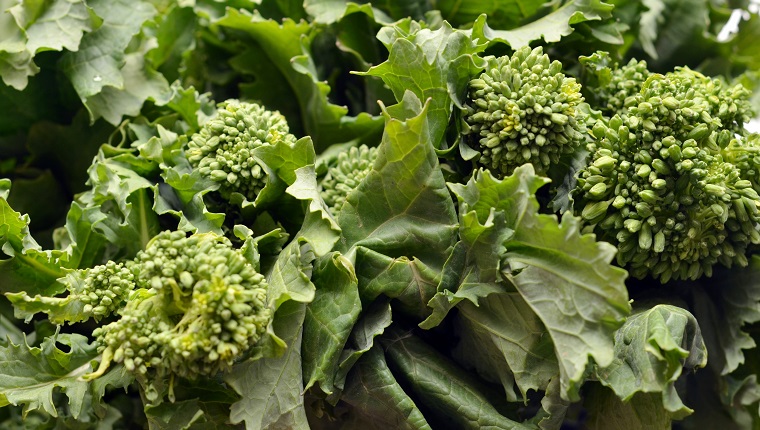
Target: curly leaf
(432,64)
(28,267)
(551,27)
(402,207)
(271,387)
(651,351)
(30,375)
(329,320)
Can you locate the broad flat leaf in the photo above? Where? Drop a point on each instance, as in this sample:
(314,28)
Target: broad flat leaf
(175,35)
(373,322)
(553,408)
(30,375)
(329,320)
(564,276)
(378,401)
(290,277)
(433,64)
(551,27)
(725,306)
(83,244)
(501,13)
(443,388)
(101,54)
(284,72)
(331,11)
(54,25)
(271,387)
(504,341)
(409,281)
(402,207)
(140,83)
(667,26)
(643,411)
(651,351)
(28,267)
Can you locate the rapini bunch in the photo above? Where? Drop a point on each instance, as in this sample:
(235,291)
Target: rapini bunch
(349,170)
(523,109)
(223,149)
(658,184)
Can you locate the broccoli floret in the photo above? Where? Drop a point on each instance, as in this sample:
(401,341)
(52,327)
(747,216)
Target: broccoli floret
(658,186)
(523,109)
(625,82)
(222,150)
(94,293)
(350,169)
(198,307)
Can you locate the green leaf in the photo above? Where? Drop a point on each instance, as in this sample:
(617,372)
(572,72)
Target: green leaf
(140,83)
(451,393)
(101,56)
(290,276)
(329,320)
(564,276)
(643,411)
(651,351)
(373,322)
(505,341)
(271,387)
(551,27)
(726,307)
(286,79)
(501,14)
(377,400)
(43,22)
(332,11)
(433,64)
(409,281)
(30,375)
(28,267)
(402,207)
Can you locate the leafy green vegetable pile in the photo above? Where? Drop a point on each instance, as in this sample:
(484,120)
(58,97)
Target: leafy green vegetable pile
(269,214)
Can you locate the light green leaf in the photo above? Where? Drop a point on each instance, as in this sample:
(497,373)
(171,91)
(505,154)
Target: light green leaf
(651,351)
(402,207)
(54,25)
(101,54)
(286,79)
(329,320)
(271,387)
(331,11)
(140,83)
(290,276)
(30,375)
(551,27)
(433,64)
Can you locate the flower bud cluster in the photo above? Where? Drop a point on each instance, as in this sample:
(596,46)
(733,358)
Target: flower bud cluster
(223,149)
(659,187)
(350,169)
(104,289)
(523,109)
(199,306)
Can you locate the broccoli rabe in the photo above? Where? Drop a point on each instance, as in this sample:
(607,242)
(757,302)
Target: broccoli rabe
(199,306)
(523,109)
(659,183)
(223,149)
(351,167)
